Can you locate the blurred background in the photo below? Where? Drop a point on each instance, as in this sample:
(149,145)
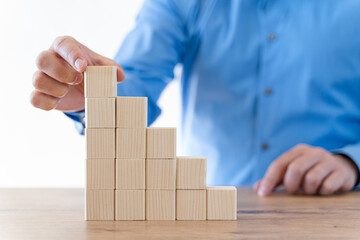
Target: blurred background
(43,149)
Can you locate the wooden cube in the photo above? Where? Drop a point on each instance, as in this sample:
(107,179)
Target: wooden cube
(221,203)
(161,143)
(129,204)
(191,173)
(100,143)
(130,143)
(100,112)
(100,173)
(100,204)
(161,173)
(191,204)
(100,81)
(130,174)
(160,205)
(131,112)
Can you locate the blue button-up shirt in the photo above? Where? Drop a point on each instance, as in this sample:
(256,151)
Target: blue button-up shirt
(258,77)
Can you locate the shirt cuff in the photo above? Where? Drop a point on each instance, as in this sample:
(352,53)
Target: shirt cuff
(353,153)
(79,121)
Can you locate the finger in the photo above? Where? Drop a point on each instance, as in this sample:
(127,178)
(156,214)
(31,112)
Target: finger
(256,185)
(332,183)
(315,176)
(276,171)
(297,169)
(45,84)
(69,49)
(43,101)
(57,68)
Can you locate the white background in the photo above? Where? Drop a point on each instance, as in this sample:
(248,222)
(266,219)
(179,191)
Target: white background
(38,148)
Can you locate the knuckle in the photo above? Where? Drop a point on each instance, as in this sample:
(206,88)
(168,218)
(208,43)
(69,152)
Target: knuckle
(42,59)
(320,151)
(295,169)
(37,79)
(312,179)
(60,40)
(35,99)
(327,188)
(301,147)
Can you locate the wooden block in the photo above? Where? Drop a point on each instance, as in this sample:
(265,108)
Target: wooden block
(191,173)
(131,112)
(130,143)
(100,143)
(130,174)
(100,173)
(161,174)
(160,205)
(100,81)
(221,203)
(100,204)
(100,112)
(161,143)
(129,204)
(191,204)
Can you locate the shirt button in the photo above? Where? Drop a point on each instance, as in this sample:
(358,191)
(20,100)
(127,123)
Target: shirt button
(271,37)
(268,91)
(264,146)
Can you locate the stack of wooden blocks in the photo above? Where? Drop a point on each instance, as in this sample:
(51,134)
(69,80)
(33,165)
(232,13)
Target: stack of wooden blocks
(133,172)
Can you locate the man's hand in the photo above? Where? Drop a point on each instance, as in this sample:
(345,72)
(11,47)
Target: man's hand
(59,81)
(313,169)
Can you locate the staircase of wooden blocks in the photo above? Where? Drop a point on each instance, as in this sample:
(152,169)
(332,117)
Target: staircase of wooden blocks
(132,172)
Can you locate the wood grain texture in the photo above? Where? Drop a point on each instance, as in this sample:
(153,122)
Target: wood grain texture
(131,112)
(161,174)
(191,173)
(130,174)
(100,81)
(161,143)
(130,143)
(58,214)
(160,205)
(100,204)
(100,173)
(129,204)
(191,204)
(100,143)
(100,112)
(221,203)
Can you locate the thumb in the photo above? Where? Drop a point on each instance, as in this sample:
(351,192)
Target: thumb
(69,49)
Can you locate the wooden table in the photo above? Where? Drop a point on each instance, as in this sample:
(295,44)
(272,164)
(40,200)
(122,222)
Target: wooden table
(29,214)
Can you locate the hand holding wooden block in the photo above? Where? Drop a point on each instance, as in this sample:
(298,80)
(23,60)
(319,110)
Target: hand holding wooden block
(221,203)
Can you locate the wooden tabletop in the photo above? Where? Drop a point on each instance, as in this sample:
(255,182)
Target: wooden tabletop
(58,214)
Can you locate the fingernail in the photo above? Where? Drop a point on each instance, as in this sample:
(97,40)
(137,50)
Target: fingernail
(79,63)
(262,191)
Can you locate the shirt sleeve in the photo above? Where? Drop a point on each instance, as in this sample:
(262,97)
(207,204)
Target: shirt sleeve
(148,55)
(353,152)
(150,52)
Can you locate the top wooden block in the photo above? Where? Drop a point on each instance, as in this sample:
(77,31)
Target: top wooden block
(131,112)
(100,81)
